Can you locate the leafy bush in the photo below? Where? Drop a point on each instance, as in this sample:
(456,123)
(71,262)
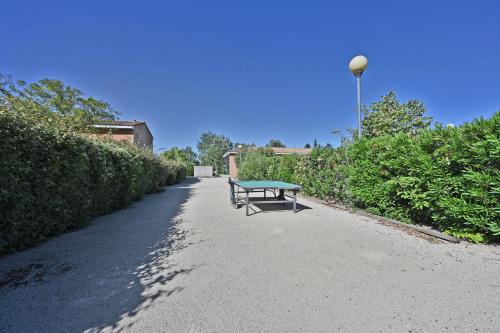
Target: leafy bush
(323,174)
(52,181)
(264,164)
(445,177)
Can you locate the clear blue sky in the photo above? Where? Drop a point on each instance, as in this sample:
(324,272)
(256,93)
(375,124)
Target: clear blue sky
(256,70)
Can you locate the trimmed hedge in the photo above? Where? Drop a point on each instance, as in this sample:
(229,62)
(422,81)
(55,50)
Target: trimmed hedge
(445,177)
(52,181)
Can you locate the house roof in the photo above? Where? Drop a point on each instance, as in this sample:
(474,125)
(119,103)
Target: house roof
(231,152)
(122,122)
(277,151)
(286,150)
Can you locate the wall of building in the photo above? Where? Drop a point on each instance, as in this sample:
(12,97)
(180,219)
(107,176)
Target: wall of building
(203,171)
(116,134)
(233,168)
(142,137)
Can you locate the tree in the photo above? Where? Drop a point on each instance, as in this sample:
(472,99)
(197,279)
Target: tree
(186,156)
(211,148)
(52,102)
(190,155)
(239,145)
(307,145)
(389,116)
(315,144)
(275,143)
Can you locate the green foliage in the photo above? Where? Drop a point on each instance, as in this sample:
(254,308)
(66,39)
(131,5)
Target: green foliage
(445,177)
(255,164)
(52,102)
(275,143)
(262,163)
(186,156)
(389,116)
(211,149)
(53,180)
(323,174)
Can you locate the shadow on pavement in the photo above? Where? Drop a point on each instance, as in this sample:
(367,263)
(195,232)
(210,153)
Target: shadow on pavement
(118,267)
(266,208)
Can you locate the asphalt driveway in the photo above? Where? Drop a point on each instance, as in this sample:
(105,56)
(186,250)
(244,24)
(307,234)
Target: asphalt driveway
(184,260)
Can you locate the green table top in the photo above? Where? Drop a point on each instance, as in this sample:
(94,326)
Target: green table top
(266,184)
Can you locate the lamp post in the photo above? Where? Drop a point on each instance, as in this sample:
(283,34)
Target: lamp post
(357,65)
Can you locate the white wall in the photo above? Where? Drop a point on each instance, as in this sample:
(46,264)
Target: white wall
(203,171)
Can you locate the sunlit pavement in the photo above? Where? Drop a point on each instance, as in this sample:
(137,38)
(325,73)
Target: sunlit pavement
(185,261)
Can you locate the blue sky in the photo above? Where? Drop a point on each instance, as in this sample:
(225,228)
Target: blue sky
(256,70)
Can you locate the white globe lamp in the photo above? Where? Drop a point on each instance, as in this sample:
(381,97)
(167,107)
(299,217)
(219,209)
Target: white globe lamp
(357,65)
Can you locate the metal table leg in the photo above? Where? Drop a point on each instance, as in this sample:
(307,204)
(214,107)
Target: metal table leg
(295,201)
(246,201)
(231,194)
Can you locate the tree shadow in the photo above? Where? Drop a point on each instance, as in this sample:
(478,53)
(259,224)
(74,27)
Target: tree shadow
(120,265)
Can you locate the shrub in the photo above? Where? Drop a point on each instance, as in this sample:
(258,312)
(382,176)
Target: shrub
(445,177)
(52,181)
(323,174)
(257,164)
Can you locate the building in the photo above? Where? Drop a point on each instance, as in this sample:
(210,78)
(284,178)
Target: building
(233,167)
(135,132)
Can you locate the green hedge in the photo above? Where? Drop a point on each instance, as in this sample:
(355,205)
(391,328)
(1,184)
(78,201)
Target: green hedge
(445,177)
(52,181)
(264,164)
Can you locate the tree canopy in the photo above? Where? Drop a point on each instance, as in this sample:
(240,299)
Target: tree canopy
(275,143)
(185,155)
(53,102)
(211,148)
(389,116)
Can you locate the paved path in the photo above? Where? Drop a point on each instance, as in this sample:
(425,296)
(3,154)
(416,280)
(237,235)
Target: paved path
(185,261)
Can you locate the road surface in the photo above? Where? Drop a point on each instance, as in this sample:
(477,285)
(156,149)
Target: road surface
(184,260)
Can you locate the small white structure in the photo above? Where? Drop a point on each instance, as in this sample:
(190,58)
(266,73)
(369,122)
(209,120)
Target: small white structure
(204,171)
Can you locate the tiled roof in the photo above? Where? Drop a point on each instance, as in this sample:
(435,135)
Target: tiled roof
(121,122)
(277,151)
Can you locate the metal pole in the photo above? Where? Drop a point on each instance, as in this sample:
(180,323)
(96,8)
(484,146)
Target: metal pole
(247,202)
(295,201)
(358,79)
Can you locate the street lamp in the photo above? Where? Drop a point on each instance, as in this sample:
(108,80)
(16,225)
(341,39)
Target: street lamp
(357,65)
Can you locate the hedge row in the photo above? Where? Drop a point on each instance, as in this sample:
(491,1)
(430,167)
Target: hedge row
(262,163)
(53,181)
(445,177)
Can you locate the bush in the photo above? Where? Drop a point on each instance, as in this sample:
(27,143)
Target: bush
(322,174)
(445,177)
(52,181)
(257,164)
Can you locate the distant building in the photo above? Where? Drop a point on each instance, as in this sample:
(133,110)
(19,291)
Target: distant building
(135,132)
(233,167)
